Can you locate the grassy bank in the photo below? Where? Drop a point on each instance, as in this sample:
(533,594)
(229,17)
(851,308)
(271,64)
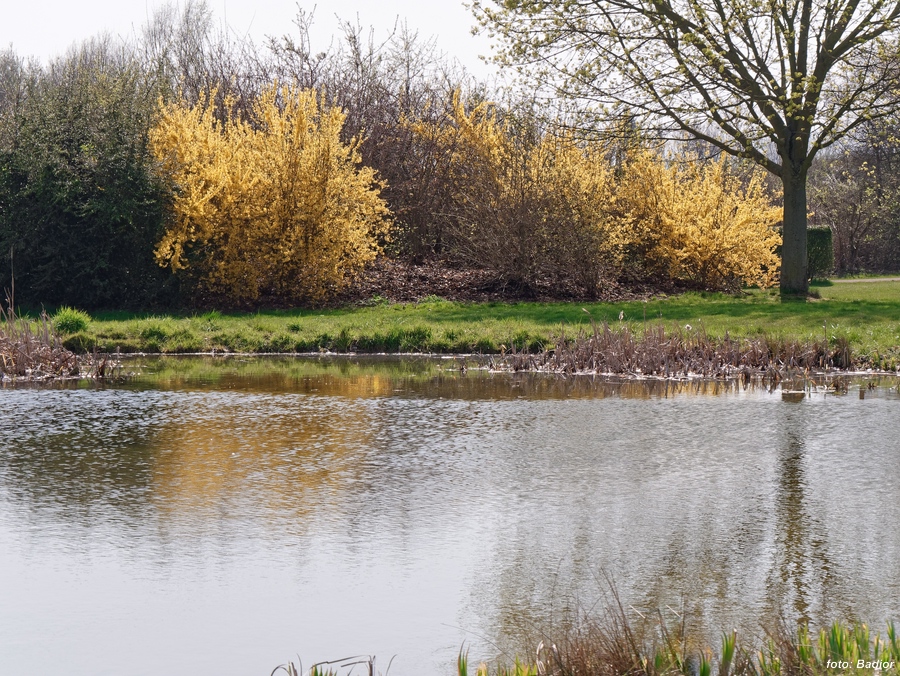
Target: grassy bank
(864,314)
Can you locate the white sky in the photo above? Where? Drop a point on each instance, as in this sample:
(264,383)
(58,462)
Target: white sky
(46,28)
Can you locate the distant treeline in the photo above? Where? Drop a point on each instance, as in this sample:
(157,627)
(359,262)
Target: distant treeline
(185,164)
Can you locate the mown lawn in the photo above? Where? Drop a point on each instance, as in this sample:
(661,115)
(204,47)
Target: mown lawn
(867,313)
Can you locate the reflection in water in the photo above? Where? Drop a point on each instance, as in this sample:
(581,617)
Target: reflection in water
(793,523)
(68,459)
(374,375)
(214,455)
(234,513)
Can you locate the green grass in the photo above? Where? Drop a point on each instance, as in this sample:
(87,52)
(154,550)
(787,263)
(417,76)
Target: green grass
(867,314)
(868,275)
(70,320)
(861,291)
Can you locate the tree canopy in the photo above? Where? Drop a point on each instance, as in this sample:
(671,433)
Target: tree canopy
(776,81)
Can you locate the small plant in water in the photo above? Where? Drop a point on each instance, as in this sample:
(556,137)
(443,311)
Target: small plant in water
(70,320)
(517,669)
(342,667)
(32,350)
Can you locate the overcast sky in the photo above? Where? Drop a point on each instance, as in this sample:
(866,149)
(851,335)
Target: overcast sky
(45,28)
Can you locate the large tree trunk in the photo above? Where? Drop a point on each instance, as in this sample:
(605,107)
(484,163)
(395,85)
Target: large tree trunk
(794,273)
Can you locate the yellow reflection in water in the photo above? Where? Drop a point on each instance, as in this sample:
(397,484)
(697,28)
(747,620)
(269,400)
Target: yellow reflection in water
(225,449)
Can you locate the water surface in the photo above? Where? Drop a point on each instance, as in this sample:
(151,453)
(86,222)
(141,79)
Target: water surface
(225,515)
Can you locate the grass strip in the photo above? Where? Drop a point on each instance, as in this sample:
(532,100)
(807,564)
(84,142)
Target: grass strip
(865,315)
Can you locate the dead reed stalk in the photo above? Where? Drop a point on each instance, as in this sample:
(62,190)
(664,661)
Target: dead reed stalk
(682,352)
(33,351)
(610,645)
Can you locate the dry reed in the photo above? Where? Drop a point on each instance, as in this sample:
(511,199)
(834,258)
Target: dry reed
(33,351)
(609,645)
(682,352)
(345,666)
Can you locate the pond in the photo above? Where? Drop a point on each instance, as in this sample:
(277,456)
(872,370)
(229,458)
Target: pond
(224,516)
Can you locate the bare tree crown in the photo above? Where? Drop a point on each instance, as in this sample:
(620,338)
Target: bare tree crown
(743,75)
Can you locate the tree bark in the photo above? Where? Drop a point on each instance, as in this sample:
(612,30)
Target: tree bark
(794,264)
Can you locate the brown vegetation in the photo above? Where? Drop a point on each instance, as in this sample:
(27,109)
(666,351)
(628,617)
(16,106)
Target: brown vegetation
(609,644)
(26,353)
(33,351)
(682,352)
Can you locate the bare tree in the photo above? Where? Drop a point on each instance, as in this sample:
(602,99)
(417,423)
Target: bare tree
(855,191)
(385,86)
(188,56)
(776,81)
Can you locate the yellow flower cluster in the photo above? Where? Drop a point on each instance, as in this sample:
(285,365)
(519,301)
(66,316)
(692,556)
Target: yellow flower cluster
(545,199)
(272,204)
(701,222)
(526,204)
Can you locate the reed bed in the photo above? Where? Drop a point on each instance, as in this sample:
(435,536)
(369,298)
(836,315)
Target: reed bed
(681,352)
(611,646)
(34,351)
(608,644)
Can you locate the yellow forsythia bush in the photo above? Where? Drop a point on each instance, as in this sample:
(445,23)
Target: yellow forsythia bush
(275,204)
(527,205)
(587,230)
(700,222)
(535,207)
